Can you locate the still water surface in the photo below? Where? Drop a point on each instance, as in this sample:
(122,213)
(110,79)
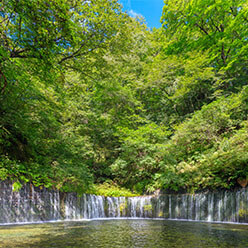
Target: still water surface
(126,233)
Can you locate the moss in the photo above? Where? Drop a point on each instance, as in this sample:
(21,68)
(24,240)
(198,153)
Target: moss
(148,207)
(122,207)
(62,205)
(111,189)
(160,214)
(243,212)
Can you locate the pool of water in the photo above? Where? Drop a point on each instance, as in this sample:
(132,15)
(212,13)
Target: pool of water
(126,233)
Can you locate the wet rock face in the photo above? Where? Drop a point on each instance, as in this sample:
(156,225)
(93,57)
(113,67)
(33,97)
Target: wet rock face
(28,205)
(32,204)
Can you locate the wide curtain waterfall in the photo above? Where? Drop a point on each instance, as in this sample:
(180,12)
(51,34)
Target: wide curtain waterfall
(32,204)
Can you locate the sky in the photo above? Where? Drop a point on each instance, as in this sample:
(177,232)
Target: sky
(151,10)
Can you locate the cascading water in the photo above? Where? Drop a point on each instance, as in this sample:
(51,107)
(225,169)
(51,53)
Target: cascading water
(32,204)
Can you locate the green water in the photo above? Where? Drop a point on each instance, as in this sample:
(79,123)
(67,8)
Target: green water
(125,233)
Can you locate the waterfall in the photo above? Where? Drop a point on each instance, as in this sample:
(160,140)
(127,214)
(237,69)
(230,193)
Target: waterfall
(32,204)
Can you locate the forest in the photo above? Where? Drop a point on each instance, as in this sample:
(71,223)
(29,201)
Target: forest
(91,99)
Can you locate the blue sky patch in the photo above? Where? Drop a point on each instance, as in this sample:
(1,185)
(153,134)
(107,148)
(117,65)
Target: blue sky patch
(151,10)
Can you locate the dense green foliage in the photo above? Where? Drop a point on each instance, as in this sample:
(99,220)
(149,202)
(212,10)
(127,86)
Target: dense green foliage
(89,95)
(108,188)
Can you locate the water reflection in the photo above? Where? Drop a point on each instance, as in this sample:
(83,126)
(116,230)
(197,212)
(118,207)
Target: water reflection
(125,233)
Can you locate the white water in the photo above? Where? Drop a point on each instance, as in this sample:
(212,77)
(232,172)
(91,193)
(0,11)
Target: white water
(36,205)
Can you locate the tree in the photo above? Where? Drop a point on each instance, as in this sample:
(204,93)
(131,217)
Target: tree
(174,86)
(39,40)
(219,27)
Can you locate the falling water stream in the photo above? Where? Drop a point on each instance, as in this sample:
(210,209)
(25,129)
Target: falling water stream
(98,221)
(35,205)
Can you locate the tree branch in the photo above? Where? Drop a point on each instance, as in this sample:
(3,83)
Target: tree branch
(5,82)
(216,27)
(18,54)
(77,54)
(223,54)
(202,29)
